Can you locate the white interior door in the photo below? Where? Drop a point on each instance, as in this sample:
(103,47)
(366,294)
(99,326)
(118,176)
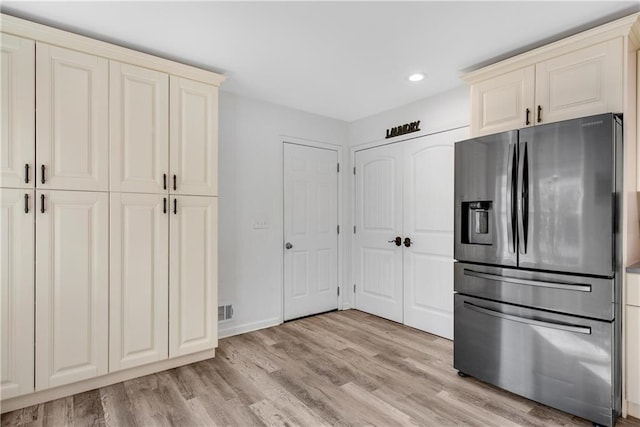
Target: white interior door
(378,220)
(17,292)
(72,286)
(139,291)
(310,227)
(428,222)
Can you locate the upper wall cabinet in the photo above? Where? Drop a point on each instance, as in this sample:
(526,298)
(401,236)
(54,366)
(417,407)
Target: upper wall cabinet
(72,121)
(194,140)
(576,83)
(139,125)
(18,105)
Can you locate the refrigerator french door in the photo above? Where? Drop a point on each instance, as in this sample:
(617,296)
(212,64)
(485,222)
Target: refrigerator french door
(537,280)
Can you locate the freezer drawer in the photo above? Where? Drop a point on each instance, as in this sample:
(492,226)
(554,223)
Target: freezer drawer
(558,360)
(582,296)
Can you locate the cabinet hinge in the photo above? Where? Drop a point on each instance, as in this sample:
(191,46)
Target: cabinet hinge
(338,167)
(338,229)
(354,288)
(338,290)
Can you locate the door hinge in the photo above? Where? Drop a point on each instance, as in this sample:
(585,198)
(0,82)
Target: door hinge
(354,229)
(338,229)
(354,288)
(354,170)
(338,167)
(338,290)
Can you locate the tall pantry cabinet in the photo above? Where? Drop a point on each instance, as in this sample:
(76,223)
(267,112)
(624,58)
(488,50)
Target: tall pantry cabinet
(108,213)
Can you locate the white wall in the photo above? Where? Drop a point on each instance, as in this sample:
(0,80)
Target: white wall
(447,110)
(250,182)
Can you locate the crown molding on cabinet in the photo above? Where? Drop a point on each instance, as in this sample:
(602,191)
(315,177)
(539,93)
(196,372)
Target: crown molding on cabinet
(38,32)
(629,26)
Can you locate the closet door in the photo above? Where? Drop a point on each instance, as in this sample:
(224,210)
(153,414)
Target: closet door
(17,94)
(16,297)
(377,257)
(138,295)
(72,121)
(428,223)
(72,288)
(194,137)
(193,293)
(139,124)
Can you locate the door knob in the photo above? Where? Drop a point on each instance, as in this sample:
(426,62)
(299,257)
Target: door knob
(397,241)
(407,242)
(288,245)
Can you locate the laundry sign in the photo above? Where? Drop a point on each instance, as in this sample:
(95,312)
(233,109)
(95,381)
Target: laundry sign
(403,129)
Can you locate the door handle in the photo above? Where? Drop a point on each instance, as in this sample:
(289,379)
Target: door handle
(397,241)
(561,326)
(523,199)
(539,113)
(26,203)
(164,181)
(174,183)
(527,121)
(164,205)
(288,245)
(566,286)
(175,206)
(42,203)
(42,173)
(511,196)
(407,242)
(26,173)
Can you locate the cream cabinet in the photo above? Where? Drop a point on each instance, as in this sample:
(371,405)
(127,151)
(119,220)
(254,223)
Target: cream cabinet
(72,120)
(72,288)
(193,140)
(633,344)
(193,258)
(503,102)
(578,83)
(139,276)
(17,93)
(139,129)
(17,292)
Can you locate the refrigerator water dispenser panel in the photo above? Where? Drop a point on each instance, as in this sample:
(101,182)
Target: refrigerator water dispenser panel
(476,219)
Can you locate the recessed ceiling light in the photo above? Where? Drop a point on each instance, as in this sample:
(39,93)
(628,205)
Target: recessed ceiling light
(416,77)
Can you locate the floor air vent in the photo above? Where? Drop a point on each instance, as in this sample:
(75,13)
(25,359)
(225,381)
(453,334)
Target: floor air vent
(225,312)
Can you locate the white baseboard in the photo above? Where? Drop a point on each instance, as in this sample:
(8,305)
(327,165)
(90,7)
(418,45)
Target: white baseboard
(346,306)
(247,327)
(42,396)
(633,409)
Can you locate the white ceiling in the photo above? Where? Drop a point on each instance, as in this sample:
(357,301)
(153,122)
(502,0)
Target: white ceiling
(345,60)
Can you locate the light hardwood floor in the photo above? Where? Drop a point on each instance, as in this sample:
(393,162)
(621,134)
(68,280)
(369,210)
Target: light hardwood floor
(341,368)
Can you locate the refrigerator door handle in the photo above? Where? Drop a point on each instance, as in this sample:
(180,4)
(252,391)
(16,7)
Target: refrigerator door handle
(561,326)
(522,199)
(511,186)
(538,283)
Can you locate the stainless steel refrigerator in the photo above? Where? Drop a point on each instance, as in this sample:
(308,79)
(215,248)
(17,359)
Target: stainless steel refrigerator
(537,308)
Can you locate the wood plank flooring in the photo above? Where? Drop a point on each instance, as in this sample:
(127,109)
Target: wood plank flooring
(341,368)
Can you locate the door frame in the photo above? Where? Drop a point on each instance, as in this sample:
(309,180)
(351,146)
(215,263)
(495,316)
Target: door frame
(352,189)
(341,237)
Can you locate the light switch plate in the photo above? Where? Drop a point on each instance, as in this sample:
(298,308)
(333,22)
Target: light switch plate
(260,224)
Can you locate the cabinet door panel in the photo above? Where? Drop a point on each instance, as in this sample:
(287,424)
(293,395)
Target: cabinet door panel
(17,290)
(71,287)
(193,295)
(585,82)
(72,122)
(501,103)
(17,94)
(194,137)
(139,124)
(139,249)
